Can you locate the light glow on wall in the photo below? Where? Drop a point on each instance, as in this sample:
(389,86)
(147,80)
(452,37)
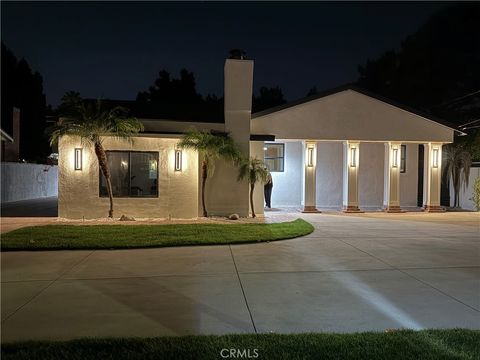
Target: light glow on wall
(435,157)
(178,160)
(77,159)
(353,157)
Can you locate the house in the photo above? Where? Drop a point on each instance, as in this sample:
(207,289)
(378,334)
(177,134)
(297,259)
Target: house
(344,149)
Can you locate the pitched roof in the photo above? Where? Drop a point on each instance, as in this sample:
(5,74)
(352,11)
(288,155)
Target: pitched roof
(361,91)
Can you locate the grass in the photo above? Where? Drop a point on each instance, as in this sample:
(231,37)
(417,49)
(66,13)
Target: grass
(62,237)
(404,345)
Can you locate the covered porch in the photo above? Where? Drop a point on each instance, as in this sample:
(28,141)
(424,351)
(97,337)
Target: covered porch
(352,151)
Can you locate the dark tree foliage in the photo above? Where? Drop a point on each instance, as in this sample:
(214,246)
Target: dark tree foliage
(437,69)
(178,99)
(23,89)
(267,98)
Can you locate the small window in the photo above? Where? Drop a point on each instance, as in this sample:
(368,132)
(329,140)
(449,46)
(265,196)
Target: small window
(132,174)
(274,157)
(403,158)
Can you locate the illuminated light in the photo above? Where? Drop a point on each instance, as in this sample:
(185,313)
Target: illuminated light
(178,160)
(395,158)
(310,153)
(78,159)
(435,158)
(353,157)
(124,164)
(265,148)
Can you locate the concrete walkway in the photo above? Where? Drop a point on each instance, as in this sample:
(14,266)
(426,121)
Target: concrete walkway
(354,273)
(42,207)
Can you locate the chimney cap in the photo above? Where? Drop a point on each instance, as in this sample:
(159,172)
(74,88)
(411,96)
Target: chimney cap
(237,54)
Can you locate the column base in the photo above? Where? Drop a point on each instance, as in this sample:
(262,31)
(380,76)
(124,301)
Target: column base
(310,209)
(433,209)
(351,209)
(393,209)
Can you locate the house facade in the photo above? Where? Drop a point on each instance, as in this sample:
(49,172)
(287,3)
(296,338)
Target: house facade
(344,149)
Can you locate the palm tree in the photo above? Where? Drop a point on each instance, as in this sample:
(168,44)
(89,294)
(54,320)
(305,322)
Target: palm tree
(253,170)
(210,147)
(457,167)
(92,122)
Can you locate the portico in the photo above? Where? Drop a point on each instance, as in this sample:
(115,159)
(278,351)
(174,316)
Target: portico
(357,152)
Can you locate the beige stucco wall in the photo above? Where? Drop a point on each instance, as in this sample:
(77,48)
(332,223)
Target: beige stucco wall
(78,191)
(349,115)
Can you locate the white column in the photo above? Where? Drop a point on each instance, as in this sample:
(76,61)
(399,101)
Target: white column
(391,193)
(351,156)
(432,178)
(310,165)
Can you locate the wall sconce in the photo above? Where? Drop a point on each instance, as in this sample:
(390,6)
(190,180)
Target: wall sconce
(178,160)
(310,154)
(395,158)
(353,157)
(435,158)
(78,159)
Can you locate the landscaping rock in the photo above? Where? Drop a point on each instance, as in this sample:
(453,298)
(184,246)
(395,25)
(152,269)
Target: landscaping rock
(126,218)
(234,217)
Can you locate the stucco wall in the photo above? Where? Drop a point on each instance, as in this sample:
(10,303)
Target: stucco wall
(79,190)
(287,185)
(467,194)
(287,189)
(28,181)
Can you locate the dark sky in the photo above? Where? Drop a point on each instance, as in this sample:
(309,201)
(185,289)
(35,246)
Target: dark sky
(113,50)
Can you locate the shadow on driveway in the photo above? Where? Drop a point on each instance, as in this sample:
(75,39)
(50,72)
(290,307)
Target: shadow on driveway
(43,207)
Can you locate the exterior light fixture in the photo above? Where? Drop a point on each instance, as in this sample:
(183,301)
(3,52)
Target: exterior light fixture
(435,158)
(310,154)
(395,158)
(353,157)
(178,160)
(265,148)
(78,159)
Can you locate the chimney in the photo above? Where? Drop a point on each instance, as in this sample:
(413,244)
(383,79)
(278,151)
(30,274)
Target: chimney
(238,98)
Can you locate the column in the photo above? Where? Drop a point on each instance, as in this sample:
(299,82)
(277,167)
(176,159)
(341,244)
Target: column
(391,193)
(310,164)
(432,178)
(351,156)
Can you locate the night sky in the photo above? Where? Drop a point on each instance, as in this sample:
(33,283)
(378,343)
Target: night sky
(113,50)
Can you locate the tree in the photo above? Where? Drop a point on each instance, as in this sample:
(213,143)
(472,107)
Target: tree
(23,88)
(92,122)
(210,147)
(312,91)
(268,98)
(457,168)
(254,171)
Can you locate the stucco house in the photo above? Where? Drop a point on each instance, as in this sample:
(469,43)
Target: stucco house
(344,149)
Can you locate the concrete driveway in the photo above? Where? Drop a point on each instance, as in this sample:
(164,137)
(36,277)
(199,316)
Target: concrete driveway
(354,273)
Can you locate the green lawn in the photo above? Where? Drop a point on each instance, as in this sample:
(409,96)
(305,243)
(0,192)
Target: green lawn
(401,345)
(59,237)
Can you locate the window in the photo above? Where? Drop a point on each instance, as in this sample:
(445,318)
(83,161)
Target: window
(133,174)
(403,158)
(274,157)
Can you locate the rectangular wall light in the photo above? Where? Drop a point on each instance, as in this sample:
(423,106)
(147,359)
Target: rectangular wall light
(353,157)
(435,158)
(178,160)
(78,159)
(310,154)
(395,158)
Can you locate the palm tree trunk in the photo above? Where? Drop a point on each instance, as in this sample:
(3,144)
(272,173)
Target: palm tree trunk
(252,187)
(204,180)
(102,161)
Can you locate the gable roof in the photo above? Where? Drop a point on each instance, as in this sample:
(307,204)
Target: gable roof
(361,91)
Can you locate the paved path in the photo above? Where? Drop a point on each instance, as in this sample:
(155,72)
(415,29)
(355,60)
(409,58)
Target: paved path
(354,273)
(42,207)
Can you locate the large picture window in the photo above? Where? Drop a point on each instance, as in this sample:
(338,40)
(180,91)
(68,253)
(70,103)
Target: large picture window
(133,174)
(403,158)
(274,157)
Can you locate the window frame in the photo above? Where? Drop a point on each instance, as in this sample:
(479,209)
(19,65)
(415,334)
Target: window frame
(278,157)
(403,159)
(130,176)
